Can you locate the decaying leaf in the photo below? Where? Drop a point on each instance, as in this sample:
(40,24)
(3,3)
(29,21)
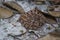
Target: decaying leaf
(13,5)
(5,13)
(54,11)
